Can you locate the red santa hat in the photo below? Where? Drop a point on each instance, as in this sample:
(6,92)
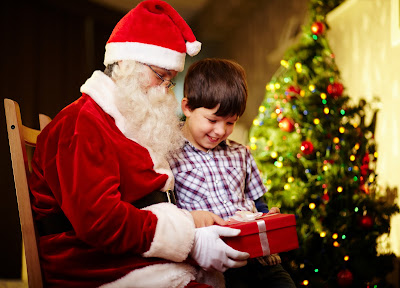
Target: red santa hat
(152,33)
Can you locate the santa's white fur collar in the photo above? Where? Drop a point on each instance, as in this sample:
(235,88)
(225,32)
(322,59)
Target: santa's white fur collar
(102,89)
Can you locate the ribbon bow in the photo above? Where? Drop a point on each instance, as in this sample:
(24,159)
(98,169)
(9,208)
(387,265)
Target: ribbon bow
(246,216)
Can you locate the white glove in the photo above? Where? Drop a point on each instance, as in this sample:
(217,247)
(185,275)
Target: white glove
(211,253)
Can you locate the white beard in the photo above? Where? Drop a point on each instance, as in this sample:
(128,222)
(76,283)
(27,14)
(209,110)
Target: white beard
(149,112)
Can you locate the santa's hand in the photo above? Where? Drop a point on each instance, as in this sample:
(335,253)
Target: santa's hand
(211,253)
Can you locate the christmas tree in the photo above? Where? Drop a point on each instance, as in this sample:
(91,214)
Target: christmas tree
(317,156)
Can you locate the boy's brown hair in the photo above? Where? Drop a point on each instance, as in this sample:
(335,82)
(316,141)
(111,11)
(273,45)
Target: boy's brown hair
(213,81)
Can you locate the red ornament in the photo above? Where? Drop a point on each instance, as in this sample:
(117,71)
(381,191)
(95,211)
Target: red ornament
(364,188)
(292,92)
(317,28)
(307,147)
(366,221)
(345,278)
(335,89)
(365,166)
(286,125)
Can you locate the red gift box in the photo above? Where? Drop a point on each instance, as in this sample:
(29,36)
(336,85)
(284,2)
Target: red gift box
(266,235)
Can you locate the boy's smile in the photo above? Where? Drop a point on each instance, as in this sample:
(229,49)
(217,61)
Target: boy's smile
(204,129)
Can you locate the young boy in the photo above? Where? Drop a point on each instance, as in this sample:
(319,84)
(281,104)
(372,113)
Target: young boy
(215,174)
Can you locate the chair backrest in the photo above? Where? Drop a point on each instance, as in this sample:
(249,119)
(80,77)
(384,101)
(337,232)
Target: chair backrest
(43,121)
(20,136)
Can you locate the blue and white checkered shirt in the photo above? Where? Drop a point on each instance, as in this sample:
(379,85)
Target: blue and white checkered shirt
(222,180)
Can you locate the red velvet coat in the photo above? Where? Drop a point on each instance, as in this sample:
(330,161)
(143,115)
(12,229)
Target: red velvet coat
(86,167)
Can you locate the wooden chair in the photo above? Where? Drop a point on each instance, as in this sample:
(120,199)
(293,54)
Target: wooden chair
(19,137)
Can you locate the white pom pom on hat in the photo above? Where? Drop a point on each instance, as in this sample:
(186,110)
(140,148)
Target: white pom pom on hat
(152,33)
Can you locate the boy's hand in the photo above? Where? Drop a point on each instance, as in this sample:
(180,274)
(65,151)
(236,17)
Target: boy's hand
(205,218)
(274,210)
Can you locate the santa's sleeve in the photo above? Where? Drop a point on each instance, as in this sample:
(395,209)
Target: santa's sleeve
(174,235)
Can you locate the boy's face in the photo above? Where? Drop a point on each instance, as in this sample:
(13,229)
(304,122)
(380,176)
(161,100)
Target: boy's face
(204,129)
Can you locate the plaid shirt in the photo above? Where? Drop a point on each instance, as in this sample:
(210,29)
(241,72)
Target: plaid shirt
(222,180)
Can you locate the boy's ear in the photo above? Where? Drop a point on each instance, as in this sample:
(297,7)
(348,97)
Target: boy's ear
(185,108)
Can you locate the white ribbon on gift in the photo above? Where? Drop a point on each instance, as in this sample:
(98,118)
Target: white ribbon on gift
(262,233)
(247,216)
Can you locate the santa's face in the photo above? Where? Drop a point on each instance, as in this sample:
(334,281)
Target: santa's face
(148,106)
(160,76)
(204,129)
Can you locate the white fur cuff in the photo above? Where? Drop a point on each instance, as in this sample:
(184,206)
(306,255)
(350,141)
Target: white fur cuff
(169,275)
(174,236)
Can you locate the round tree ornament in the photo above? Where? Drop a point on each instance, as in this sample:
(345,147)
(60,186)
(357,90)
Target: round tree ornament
(345,278)
(318,28)
(307,147)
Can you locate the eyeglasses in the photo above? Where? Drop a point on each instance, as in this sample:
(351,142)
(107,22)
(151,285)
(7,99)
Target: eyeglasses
(169,84)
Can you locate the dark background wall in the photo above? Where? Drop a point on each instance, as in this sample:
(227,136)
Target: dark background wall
(48,49)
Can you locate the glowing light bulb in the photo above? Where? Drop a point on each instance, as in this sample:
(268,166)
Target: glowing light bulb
(253,139)
(341,130)
(340,189)
(336,140)
(326,110)
(352,158)
(336,244)
(274,155)
(256,122)
(290,179)
(312,206)
(357,146)
(316,121)
(286,186)
(262,109)
(335,236)
(322,234)
(253,147)
(285,63)
(346,258)
(311,87)
(323,96)
(305,282)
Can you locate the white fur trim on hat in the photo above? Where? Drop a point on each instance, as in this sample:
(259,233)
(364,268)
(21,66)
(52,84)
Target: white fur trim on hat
(174,236)
(193,48)
(145,53)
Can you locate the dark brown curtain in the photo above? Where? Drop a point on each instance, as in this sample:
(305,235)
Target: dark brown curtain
(48,49)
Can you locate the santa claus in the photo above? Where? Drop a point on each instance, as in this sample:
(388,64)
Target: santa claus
(100,169)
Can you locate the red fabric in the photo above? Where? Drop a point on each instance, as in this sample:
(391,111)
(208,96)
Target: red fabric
(156,23)
(193,284)
(280,230)
(85,166)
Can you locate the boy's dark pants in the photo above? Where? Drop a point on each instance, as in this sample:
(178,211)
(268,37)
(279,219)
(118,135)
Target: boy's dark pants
(254,274)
